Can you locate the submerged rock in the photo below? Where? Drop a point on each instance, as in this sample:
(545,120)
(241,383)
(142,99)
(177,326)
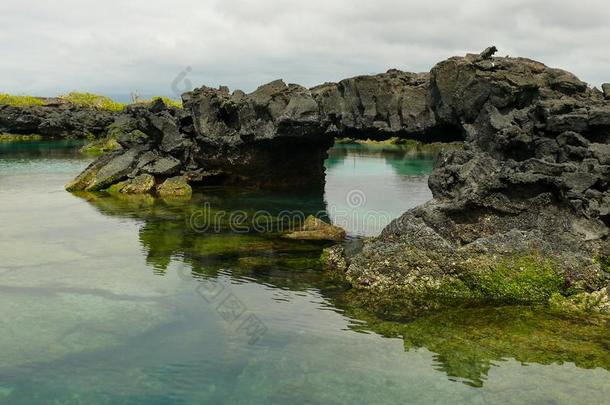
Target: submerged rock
(316,229)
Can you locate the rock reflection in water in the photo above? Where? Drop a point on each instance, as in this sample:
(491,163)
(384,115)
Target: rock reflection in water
(467,342)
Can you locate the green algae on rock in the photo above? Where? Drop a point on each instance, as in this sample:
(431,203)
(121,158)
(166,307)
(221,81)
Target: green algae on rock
(100,146)
(17,138)
(420,278)
(141,184)
(315,229)
(583,303)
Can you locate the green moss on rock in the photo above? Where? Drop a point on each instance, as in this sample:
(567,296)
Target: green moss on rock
(100,146)
(524,279)
(18,138)
(583,303)
(175,187)
(141,184)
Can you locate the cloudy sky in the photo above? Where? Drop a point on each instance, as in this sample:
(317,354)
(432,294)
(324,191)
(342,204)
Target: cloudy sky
(160,47)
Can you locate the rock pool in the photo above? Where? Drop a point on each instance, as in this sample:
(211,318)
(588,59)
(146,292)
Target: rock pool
(110,300)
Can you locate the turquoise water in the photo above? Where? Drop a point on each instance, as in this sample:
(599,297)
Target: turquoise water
(132,301)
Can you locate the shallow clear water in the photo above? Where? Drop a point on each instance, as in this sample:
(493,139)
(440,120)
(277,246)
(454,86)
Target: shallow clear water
(134,301)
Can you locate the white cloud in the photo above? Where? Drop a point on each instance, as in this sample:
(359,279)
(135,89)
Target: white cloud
(118,46)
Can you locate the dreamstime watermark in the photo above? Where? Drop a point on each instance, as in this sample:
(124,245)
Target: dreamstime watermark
(232,310)
(181,83)
(353,215)
(355,198)
(218,292)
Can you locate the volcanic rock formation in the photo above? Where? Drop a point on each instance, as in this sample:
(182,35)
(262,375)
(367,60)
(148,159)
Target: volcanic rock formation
(523,212)
(525,201)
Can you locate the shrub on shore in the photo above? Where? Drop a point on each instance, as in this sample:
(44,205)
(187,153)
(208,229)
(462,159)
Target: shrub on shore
(86,100)
(90,100)
(19,101)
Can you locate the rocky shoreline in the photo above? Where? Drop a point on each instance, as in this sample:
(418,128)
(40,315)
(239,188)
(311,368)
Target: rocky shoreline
(56,118)
(521,214)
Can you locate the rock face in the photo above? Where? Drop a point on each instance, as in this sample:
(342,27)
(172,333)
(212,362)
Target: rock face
(529,188)
(276,136)
(55,119)
(279,134)
(141,184)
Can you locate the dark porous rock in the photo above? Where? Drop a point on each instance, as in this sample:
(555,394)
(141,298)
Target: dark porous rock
(55,119)
(519,215)
(151,144)
(162,165)
(278,135)
(106,171)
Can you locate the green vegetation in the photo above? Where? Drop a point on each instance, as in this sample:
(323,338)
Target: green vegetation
(19,101)
(582,303)
(604,263)
(90,100)
(100,146)
(86,100)
(408,146)
(14,137)
(168,101)
(524,279)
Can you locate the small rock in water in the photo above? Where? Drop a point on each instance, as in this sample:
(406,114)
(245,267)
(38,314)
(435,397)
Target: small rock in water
(316,229)
(175,187)
(141,184)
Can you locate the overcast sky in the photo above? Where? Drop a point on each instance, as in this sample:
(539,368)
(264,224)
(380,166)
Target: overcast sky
(117,46)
